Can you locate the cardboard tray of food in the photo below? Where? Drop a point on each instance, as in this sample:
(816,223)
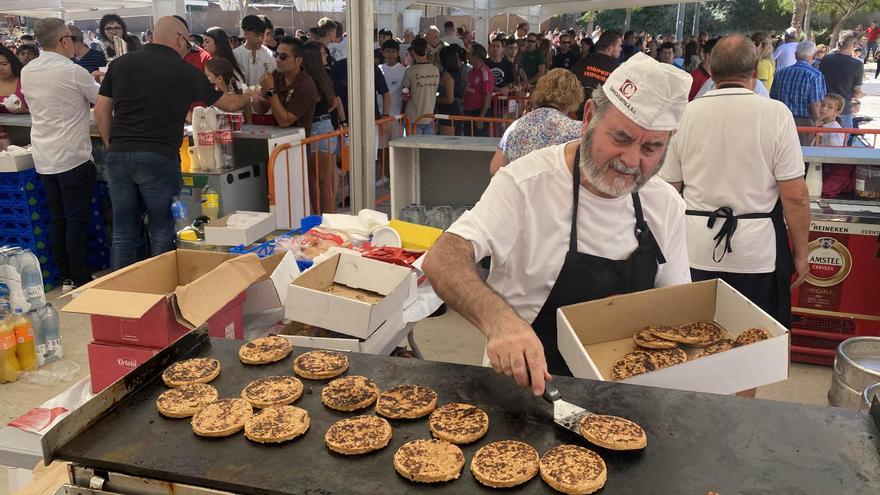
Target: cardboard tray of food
(696,442)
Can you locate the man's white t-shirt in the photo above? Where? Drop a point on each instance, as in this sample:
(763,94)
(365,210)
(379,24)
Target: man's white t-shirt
(452,40)
(709,85)
(731,148)
(254,64)
(523,221)
(784,55)
(394,79)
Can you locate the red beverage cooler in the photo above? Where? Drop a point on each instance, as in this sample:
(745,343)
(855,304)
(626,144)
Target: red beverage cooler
(841,296)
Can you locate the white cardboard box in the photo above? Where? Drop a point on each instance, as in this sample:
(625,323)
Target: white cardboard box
(348,294)
(16,163)
(594,334)
(382,341)
(218,234)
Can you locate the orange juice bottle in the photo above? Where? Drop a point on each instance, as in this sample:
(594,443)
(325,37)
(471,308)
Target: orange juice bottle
(185,162)
(25,349)
(9,367)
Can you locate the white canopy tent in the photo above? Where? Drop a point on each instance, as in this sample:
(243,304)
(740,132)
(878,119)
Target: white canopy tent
(76,9)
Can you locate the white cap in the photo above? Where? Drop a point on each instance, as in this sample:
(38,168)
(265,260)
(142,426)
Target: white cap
(651,94)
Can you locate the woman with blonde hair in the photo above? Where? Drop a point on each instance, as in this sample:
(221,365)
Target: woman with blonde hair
(557,94)
(766,64)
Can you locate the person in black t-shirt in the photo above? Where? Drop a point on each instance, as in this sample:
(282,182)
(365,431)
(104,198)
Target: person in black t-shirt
(140,115)
(565,57)
(595,68)
(502,69)
(844,74)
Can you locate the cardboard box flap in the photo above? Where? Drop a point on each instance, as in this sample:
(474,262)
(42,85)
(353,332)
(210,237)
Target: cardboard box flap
(121,276)
(203,297)
(371,275)
(113,303)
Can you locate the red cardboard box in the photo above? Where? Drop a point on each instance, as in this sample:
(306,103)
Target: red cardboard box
(110,362)
(154,302)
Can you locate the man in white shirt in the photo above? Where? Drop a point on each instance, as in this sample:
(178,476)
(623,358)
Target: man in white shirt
(254,58)
(571,223)
(450,37)
(784,53)
(739,159)
(59,93)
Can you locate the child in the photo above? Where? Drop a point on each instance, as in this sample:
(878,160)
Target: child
(393,72)
(831,107)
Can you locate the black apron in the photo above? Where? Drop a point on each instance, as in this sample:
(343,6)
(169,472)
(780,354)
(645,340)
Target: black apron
(784,261)
(585,277)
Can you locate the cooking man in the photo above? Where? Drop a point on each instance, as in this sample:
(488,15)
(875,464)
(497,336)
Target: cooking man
(571,223)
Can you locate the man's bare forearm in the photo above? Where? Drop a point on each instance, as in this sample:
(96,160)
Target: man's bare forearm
(796,208)
(451,268)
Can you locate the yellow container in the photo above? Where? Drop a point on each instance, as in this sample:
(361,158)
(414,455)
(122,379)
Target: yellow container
(185,160)
(415,236)
(9,367)
(25,350)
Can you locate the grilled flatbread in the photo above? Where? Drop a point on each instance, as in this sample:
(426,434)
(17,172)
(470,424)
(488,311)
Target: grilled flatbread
(429,461)
(720,346)
(613,432)
(406,401)
(320,365)
(505,463)
(358,435)
(196,370)
(646,339)
(751,336)
(183,402)
(350,393)
(702,333)
(222,418)
(458,423)
(573,469)
(265,350)
(632,364)
(277,424)
(668,357)
(273,391)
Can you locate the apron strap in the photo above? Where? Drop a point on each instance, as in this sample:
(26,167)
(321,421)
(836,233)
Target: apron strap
(575,187)
(643,232)
(728,228)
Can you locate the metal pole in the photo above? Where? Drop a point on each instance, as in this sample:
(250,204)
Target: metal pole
(362,104)
(696,29)
(628,19)
(679,22)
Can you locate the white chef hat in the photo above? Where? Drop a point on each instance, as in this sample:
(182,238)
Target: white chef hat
(651,94)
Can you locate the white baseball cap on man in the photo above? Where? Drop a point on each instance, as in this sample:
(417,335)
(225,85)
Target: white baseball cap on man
(651,94)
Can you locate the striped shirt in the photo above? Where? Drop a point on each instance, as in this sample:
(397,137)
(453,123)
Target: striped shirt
(92,60)
(797,86)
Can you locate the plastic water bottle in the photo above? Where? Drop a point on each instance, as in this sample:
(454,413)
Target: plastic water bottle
(224,141)
(180,213)
(31,279)
(210,203)
(39,335)
(24,337)
(51,329)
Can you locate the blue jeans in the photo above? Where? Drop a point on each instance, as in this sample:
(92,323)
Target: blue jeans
(141,181)
(846,121)
(424,129)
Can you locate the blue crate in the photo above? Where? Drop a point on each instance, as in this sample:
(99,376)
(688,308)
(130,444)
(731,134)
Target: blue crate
(25,180)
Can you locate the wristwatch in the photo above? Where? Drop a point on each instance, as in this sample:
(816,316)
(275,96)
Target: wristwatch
(268,94)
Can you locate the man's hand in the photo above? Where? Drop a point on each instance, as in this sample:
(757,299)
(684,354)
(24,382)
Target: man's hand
(801,269)
(98,76)
(267,82)
(515,350)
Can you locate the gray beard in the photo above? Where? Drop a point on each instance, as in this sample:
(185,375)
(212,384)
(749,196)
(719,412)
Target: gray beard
(595,173)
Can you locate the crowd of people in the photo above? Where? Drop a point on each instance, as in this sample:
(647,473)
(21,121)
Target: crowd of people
(143,88)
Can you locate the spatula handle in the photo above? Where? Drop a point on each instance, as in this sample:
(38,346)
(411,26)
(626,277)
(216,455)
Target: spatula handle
(551,394)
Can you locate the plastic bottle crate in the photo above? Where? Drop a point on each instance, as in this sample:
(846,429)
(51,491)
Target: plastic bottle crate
(25,180)
(27,240)
(36,213)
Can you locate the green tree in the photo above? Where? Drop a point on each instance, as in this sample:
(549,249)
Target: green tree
(838,11)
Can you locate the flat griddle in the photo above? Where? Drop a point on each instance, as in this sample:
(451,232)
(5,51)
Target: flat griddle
(696,442)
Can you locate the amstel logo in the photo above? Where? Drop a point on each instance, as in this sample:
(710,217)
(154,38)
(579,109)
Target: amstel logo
(830,262)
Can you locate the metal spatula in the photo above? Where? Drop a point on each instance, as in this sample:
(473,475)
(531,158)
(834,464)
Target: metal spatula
(565,414)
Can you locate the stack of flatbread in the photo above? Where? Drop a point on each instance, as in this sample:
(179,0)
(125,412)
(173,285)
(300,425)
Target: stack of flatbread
(661,346)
